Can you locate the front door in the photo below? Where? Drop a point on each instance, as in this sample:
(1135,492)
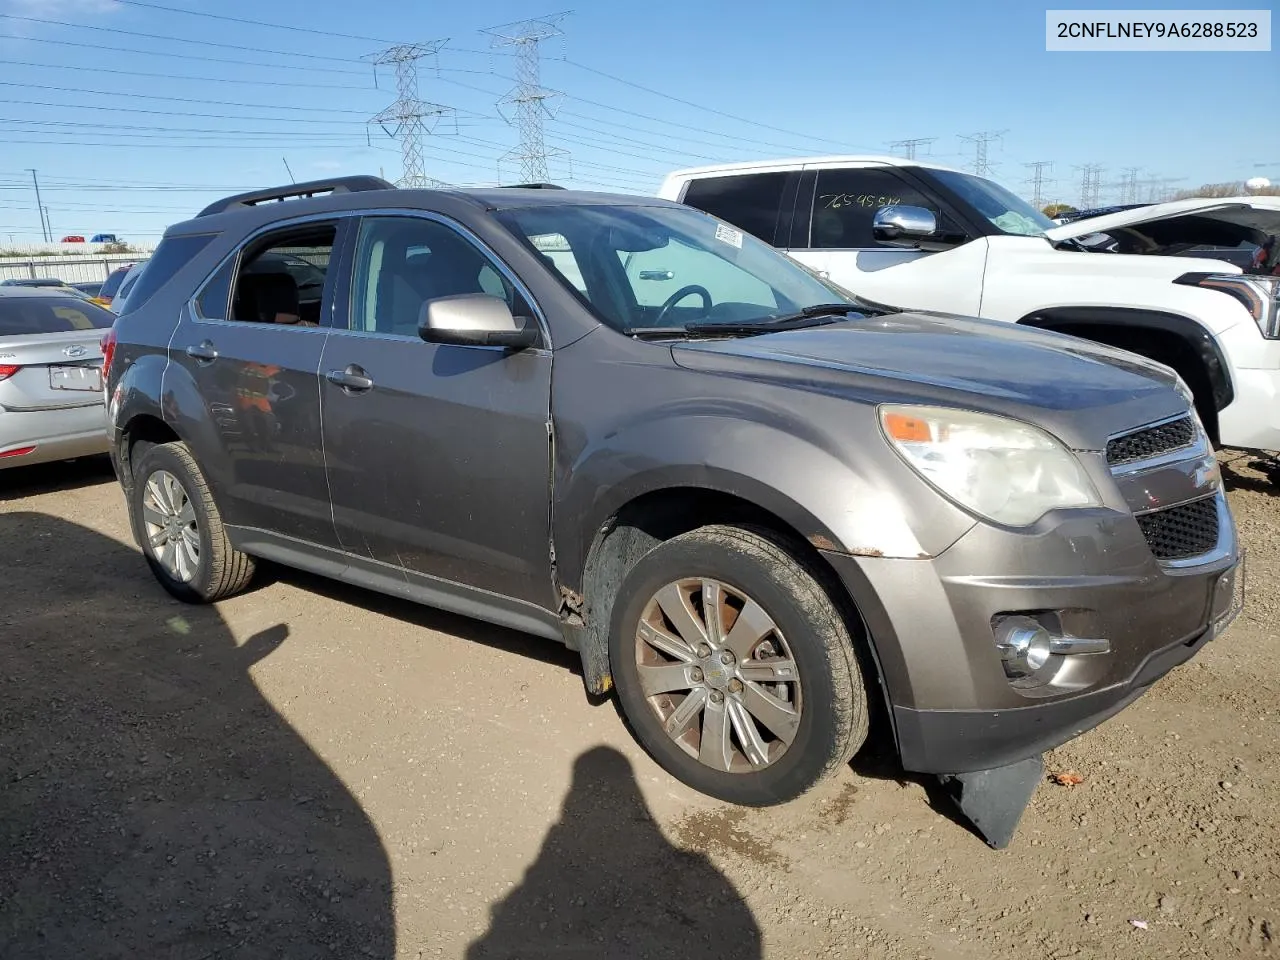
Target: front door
(251,347)
(438,455)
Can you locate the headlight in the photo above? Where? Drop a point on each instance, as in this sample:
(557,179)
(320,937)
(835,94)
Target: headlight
(1004,470)
(1259,295)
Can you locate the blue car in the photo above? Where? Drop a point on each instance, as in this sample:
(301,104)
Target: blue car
(105,238)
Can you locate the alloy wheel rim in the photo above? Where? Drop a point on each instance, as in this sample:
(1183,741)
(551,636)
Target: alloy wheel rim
(170,520)
(719,675)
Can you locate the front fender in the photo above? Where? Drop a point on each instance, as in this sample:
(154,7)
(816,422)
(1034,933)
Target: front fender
(864,502)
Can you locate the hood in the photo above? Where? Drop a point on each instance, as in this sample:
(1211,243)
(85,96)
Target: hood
(1077,389)
(1218,221)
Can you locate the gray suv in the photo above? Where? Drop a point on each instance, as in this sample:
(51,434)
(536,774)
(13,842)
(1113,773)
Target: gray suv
(761,509)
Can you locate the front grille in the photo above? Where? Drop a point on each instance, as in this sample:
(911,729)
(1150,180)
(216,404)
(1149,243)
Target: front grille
(1181,532)
(1151,442)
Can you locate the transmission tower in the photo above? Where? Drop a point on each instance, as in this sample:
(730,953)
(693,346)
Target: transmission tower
(411,118)
(1129,185)
(908,147)
(1038,180)
(1158,188)
(530,99)
(980,140)
(1090,185)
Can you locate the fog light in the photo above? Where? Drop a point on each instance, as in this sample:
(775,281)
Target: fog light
(1025,646)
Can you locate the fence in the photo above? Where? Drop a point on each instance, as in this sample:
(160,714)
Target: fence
(70,269)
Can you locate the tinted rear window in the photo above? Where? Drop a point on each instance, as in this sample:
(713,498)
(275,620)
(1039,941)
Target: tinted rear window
(752,201)
(24,316)
(172,255)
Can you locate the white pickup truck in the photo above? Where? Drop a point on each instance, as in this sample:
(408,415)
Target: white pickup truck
(1157,280)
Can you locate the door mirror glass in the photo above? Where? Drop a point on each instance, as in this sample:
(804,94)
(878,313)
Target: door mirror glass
(474,320)
(903,225)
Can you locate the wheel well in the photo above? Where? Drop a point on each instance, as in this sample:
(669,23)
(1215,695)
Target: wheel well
(652,518)
(143,431)
(1163,346)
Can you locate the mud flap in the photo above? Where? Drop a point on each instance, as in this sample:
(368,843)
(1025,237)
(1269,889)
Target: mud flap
(993,800)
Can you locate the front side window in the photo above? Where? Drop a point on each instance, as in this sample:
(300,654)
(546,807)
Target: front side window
(1002,208)
(752,201)
(278,278)
(404,262)
(665,266)
(846,201)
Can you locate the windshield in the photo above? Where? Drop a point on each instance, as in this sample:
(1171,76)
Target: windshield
(667,267)
(1004,210)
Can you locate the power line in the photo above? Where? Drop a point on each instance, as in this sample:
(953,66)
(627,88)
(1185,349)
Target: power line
(169,38)
(1038,180)
(408,113)
(184,56)
(155,96)
(172,77)
(703,107)
(529,97)
(981,166)
(291,27)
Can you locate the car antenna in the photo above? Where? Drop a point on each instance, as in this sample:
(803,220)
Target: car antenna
(285,161)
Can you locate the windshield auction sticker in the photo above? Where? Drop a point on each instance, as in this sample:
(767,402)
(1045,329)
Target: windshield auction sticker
(1132,31)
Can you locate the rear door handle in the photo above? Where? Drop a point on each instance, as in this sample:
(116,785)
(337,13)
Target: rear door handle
(203,352)
(353,379)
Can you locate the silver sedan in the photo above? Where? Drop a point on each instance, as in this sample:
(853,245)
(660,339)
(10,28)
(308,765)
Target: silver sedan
(51,402)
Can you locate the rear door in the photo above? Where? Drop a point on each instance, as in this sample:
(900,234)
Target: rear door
(251,343)
(438,455)
(50,361)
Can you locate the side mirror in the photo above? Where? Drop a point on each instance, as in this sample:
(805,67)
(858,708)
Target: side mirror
(474,320)
(904,226)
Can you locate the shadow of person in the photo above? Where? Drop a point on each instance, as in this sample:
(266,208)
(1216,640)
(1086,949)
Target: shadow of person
(152,802)
(608,886)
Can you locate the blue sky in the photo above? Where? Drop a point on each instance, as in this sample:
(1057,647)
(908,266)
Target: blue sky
(130,154)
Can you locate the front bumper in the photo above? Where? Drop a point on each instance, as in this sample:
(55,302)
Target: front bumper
(930,623)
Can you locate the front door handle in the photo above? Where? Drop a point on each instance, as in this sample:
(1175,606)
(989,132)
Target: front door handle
(203,352)
(353,379)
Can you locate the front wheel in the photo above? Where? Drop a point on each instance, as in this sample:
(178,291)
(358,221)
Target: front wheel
(734,668)
(180,530)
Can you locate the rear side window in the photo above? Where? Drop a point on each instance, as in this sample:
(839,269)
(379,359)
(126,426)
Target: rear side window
(25,316)
(752,201)
(172,255)
(279,278)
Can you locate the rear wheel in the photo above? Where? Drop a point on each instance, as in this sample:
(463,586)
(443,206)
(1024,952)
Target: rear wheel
(734,668)
(180,530)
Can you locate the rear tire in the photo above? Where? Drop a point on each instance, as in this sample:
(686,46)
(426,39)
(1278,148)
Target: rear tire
(756,704)
(180,530)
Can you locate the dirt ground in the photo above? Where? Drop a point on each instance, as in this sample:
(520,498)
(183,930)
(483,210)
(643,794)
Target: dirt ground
(310,770)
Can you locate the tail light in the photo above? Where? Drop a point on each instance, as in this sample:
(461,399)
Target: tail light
(7,370)
(108,351)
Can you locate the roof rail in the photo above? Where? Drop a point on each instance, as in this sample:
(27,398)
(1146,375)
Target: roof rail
(532,186)
(292,191)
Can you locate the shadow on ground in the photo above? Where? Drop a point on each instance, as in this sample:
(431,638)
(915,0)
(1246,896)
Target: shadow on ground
(152,802)
(19,482)
(607,883)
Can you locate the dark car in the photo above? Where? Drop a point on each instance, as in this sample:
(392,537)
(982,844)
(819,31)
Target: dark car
(759,509)
(111,286)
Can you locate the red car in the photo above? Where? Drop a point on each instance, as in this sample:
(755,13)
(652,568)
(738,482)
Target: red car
(73,239)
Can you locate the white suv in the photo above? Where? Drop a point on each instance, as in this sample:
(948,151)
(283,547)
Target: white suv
(1157,280)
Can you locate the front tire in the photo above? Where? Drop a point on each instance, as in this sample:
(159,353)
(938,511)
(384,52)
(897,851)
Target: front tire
(180,530)
(734,668)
